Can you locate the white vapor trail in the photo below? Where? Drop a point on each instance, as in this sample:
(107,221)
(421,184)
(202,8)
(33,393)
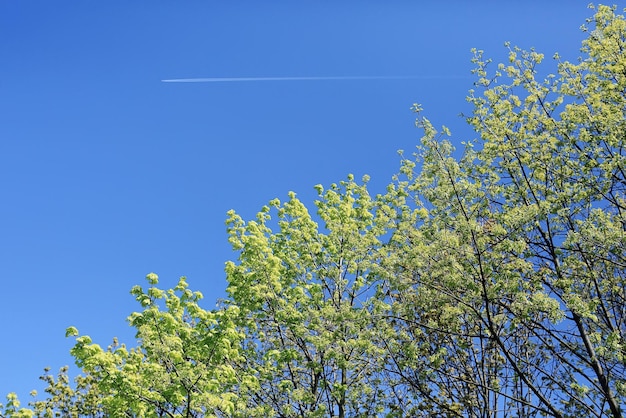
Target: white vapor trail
(233,79)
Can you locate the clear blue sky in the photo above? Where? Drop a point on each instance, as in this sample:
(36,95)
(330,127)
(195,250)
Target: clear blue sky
(109,174)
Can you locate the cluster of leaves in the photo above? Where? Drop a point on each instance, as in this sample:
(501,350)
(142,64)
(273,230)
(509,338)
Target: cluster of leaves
(180,367)
(488,285)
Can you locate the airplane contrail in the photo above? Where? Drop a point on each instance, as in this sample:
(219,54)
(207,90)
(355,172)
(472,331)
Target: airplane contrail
(234,79)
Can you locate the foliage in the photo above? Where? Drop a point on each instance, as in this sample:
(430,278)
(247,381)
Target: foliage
(513,285)
(482,285)
(305,293)
(179,368)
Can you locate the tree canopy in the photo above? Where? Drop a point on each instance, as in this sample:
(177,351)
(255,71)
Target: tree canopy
(484,282)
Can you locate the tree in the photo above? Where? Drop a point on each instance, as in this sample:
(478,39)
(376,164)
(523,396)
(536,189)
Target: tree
(305,298)
(491,284)
(510,274)
(180,367)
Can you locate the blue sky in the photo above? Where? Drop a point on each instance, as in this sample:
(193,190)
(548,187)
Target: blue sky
(109,174)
